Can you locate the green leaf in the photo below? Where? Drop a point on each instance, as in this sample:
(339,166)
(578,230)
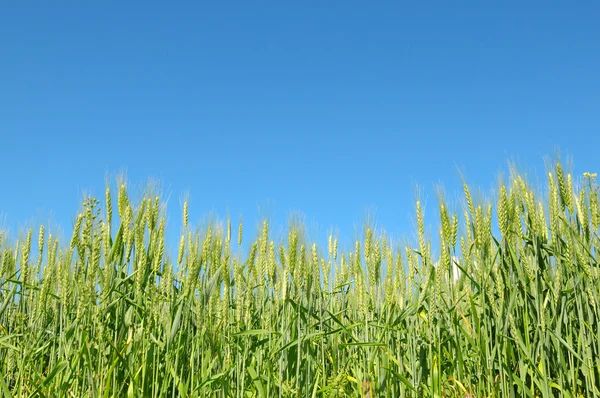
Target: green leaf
(57,369)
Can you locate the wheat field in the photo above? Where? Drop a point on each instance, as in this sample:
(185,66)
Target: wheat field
(505,306)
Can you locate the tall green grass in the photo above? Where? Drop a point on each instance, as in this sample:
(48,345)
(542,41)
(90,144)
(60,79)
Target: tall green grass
(507,314)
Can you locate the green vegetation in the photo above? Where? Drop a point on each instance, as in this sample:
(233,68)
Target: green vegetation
(113,314)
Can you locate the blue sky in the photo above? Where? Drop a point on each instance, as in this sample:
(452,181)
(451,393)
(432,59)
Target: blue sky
(333,109)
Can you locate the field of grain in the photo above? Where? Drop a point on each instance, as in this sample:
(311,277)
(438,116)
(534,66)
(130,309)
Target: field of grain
(512,313)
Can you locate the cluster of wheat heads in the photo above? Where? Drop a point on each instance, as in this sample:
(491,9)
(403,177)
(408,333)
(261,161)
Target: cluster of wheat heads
(111,313)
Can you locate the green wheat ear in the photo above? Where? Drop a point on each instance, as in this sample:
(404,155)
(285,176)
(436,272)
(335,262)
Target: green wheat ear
(122,201)
(421,231)
(25,258)
(41,237)
(469,199)
(564,196)
(181,250)
(454,234)
(185,214)
(569,193)
(503,212)
(108,207)
(445,221)
(228,239)
(595,209)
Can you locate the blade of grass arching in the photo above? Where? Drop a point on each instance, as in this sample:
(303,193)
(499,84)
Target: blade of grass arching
(8,299)
(402,379)
(467,275)
(176,323)
(523,388)
(588,365)
(566,345)
(57,369)
(4,342)
(117,248)
(3,387)
(363,344)
(215,379)
(335,317)
(562,392)
(257,382)
(254,332)
(316,385)
(212,284)
(565,358)
(178,382)
(297,341)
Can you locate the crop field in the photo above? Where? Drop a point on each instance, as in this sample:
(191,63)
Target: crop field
(501,302)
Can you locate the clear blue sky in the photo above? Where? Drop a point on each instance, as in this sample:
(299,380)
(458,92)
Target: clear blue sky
(259,108)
